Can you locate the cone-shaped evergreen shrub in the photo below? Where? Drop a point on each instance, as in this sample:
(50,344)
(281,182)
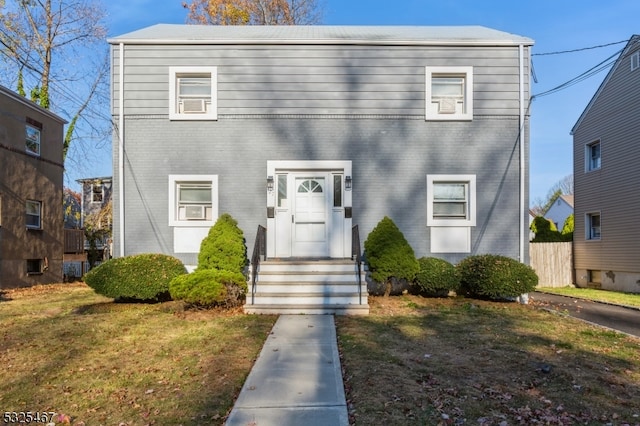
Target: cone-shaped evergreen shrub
(139,277)
(495,277)
(224,247)
(389,255)
(437,277)
(209,287)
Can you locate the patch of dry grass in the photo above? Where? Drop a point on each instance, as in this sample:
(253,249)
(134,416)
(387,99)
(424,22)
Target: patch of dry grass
(418,361)
(68,350)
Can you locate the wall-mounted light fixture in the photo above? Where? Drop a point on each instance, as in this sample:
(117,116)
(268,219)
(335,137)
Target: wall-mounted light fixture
(347,183)
(270,183)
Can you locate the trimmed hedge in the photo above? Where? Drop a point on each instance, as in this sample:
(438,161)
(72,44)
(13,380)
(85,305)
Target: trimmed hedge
(389,256)
(437,277)
(143,277)
(495,277)
(224,247)
(209,287)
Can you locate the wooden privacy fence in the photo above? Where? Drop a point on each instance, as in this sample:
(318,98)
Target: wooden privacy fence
(553,262)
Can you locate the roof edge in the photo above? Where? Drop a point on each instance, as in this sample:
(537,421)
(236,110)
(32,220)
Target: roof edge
(30,104)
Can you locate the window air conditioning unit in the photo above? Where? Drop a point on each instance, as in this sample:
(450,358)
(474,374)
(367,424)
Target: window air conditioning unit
(194,212)
(193,106)
(447,105)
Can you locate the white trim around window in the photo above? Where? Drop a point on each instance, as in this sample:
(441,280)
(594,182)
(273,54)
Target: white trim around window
(33,214)
(593,156)
(593,224)
(448,93)
(32,137)
(451,200)
(193,200)
(193,93)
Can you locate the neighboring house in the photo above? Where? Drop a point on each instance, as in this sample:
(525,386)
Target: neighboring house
(95,197)
(96,213)
(560,210)
(309,131)
(31,176)
(607,180)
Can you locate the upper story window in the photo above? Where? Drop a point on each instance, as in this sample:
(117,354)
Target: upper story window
(451,200)
(193,200)
(34,214)
(449,93)
(193,93)
(593,156)
(97,193)
(635,61)
(593,226)
(33,140)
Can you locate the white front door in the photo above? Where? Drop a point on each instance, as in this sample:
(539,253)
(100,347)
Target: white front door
(307,209)
(309,221)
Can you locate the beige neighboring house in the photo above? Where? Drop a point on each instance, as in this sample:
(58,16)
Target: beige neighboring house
(31,185)
(607,180)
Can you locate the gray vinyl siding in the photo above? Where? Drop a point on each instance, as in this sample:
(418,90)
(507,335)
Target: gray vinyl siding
(613,190)
(316,79)
(365,104)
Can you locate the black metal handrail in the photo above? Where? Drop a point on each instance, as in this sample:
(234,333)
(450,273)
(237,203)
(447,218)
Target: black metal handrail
(259,250)
(357,254)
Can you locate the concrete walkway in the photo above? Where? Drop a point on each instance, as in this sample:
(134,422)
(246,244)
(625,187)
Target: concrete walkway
(297,379)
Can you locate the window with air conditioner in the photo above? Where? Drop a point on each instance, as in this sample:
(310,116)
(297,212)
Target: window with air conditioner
(193,200)
(449,93)
(192,93)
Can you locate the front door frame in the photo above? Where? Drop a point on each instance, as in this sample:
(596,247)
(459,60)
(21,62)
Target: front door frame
(339,224)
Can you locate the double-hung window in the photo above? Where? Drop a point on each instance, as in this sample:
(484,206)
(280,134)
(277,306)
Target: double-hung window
(451,200)
(635,61)
(449,93)
(593,226)
(32,139)
(34,214)
(593,156)
(193,200)
(97,192)
(193,93)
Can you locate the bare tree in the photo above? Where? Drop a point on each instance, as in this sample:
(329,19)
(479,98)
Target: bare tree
(51,48)
(253,12)
(563,187)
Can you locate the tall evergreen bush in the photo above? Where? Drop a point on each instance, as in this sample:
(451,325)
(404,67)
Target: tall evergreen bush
(389,256)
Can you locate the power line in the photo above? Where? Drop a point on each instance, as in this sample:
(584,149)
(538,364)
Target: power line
(580,49)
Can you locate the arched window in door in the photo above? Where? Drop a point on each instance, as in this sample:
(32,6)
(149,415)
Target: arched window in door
(310,185)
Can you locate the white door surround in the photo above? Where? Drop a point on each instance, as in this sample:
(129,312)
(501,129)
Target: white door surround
(306,203)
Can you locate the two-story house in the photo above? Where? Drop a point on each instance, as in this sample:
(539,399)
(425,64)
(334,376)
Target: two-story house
(607,180)
(308,131)
(31,176)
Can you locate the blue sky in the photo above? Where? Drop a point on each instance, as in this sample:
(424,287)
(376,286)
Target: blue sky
(553,25)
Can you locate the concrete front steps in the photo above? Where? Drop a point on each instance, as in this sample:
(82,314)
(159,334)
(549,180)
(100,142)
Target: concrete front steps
(308,287)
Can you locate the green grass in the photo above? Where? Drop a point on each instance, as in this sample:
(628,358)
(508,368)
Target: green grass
(68,350)
(628,299)
(412,361)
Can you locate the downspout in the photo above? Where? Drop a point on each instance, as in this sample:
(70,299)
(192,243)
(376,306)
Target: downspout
(522,154)
(121,152)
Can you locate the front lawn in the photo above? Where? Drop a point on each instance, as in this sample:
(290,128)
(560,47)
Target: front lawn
(614,297)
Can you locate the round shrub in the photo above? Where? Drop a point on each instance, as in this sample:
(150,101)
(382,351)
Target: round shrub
(143,277)
(437,277)
(390,258)
(545,230)
(209,287)
(495,277)
(224,247)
